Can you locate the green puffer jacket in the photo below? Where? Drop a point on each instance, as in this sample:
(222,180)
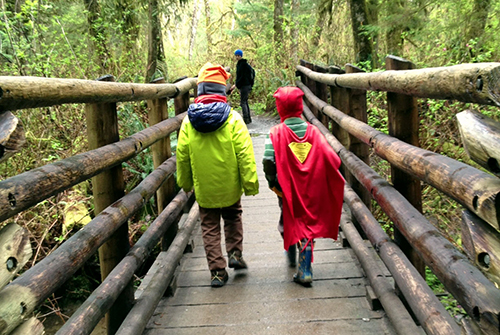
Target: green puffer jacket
(219,164)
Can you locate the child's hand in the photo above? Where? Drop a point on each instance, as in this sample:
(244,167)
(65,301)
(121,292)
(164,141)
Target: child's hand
(278,192)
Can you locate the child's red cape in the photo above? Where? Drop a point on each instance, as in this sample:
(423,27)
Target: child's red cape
(313,189)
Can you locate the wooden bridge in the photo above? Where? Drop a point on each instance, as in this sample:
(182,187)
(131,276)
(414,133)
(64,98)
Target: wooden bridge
(365,283)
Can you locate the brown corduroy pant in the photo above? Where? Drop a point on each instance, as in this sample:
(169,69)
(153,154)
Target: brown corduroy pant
(211,232)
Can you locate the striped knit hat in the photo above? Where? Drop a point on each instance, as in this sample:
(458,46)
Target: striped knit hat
(212,80)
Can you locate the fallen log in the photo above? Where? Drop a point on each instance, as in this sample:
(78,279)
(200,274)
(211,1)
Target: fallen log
(12,136)
(481,139)
(15,251)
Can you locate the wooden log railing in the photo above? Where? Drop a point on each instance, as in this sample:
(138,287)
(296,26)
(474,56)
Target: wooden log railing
(476,82)
(427,308)
(25,293)
(30,92)
(15,252)
(393,306)
(137,319)
(434,318)
(476,190)
(88,315)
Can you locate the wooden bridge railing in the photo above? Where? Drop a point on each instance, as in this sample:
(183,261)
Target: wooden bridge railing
(113,209)
(478,191)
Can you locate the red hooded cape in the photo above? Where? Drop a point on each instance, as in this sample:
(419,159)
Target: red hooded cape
(313,188)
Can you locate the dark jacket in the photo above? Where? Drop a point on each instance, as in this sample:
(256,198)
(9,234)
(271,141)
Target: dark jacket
(243,74)
(208,117)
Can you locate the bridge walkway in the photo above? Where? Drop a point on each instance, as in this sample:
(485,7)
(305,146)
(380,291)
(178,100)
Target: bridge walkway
(263,299)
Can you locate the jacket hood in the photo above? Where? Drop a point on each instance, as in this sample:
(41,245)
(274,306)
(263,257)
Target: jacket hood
(289,102)
(206,118)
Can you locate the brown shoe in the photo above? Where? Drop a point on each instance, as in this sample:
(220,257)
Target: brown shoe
(219,278)
(236,260)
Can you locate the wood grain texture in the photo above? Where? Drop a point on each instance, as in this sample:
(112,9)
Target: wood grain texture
(479,83)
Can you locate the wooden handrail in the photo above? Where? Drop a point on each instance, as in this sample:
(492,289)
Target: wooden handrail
(138,317)
(479,297)
(393,306)
(26,292)
(476,190)
(27,189)
(29,92)
(478,82)
(429,311)
(88,315)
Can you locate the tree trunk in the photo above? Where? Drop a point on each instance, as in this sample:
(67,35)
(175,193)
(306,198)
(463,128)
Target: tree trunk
(278,30)
(96,31)
(372,11)
(154,41)
(323,15)
(295,32)
(362,44)
(477,20)
(194,28)
(208,28)
(126,13)
(393,35)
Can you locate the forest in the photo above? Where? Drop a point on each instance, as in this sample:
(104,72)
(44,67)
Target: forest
(141,40)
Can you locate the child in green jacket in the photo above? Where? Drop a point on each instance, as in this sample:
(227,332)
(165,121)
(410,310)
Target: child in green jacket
(215,157)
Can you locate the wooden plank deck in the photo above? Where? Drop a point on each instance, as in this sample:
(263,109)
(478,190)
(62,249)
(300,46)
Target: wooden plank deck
(263,299)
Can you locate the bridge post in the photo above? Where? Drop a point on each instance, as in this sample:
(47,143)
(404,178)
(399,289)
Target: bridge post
(358,110)
(311,85)
(158,111)
(322,93)
(339,98)
(403,123)
(181,104)
(107,187)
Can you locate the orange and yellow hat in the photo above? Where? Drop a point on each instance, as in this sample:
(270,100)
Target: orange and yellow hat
(213,74)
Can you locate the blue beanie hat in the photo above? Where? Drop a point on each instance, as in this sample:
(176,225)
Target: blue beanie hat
(238,52)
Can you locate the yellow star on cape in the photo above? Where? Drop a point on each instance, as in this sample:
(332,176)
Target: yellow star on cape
(300,150)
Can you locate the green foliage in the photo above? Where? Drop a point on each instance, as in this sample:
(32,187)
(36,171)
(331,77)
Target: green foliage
(53,39)
(449,302)
(132,120)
